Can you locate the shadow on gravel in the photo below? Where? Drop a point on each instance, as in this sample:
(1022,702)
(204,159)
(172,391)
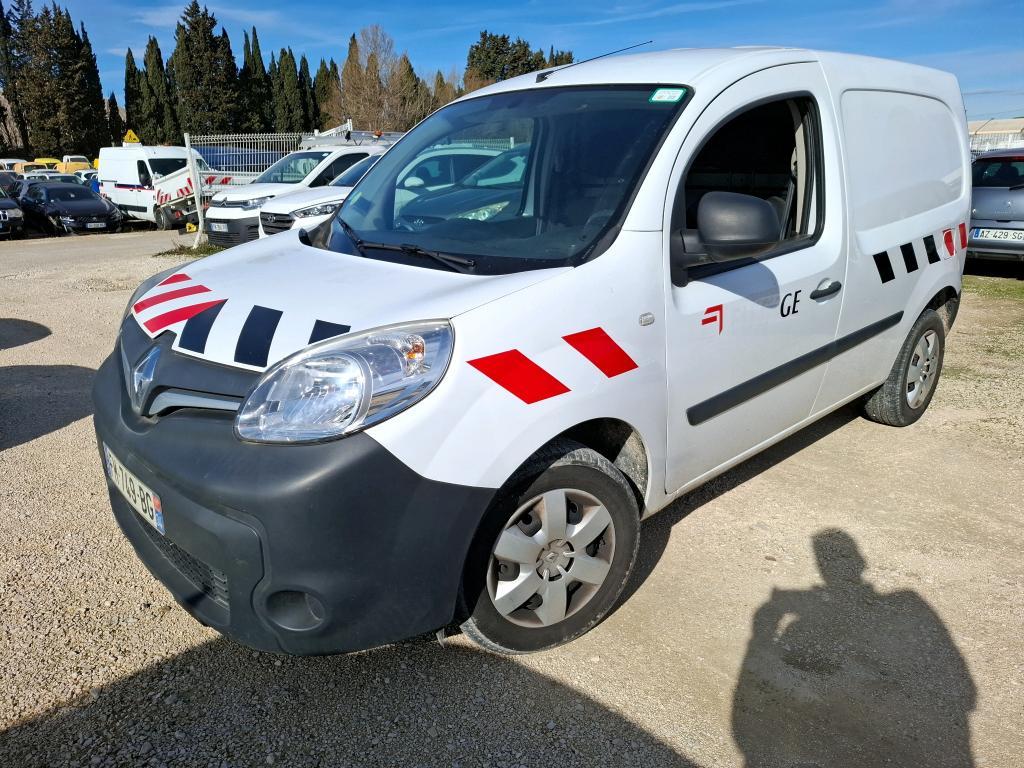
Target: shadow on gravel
(655,532)
(15,332)
(844,676)
(38,399)
(415,704)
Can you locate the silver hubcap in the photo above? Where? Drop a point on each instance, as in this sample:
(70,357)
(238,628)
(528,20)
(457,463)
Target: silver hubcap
(551,558)
(922,371)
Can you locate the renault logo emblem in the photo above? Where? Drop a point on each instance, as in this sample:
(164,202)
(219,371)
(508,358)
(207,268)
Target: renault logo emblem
(142,378)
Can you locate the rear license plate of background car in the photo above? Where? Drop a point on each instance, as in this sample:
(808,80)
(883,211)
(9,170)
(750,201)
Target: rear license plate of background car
(1000,234)
(95,225)
(142,499)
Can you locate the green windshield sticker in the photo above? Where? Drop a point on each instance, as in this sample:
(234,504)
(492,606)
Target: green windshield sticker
(667,95)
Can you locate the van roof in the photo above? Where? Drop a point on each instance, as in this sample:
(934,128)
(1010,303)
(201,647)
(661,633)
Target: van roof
(720,66)
(145,151)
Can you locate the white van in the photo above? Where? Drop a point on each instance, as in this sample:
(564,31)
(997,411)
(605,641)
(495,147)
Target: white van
(151,183)
(335,440)
(233,216)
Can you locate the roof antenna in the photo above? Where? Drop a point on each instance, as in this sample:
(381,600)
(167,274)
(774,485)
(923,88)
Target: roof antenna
(542,76)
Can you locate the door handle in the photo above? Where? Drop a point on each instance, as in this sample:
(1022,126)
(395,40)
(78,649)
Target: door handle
(826,288)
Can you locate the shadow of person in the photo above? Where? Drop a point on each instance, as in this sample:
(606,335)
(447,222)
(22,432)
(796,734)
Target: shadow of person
(414,704)
(843,675)
(38,399)
(15,332)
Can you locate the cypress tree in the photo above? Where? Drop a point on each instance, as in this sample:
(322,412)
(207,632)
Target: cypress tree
(10,72)
(326,91)
(163,118)
(131,92)
(290,118)
(352,81)
(115,125)
(21,19)
(204,73)
(41,92)
(148,112)
(310,108)
(92,98)
(262,95)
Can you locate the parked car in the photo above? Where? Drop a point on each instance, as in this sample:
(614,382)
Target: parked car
(8,182)
(997,206)
(73,163)
(488,193)
(48,162)
(27,167)
(8,163)
(58,208)
(22,186)
(309,208)
(234,213)
(334,442)
(87,175)
(63,178)
(11,220)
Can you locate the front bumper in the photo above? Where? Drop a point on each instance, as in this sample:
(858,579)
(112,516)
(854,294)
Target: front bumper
(235,231)
(251,530)
(1007,250)
(11,226)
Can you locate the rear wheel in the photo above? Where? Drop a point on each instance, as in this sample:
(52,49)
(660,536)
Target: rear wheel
(164,220)
(905,395)
(553,553)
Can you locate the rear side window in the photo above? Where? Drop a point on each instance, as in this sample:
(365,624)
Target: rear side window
(336,167)
(904,156)
(998,171)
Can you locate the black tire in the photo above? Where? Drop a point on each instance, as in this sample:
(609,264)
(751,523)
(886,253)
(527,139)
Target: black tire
(889,403)
(562,465)
(164,221)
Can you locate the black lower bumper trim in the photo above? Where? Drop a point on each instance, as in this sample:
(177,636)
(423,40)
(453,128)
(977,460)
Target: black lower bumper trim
(372,548)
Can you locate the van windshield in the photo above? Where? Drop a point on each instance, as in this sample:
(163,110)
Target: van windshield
(513,181)
(292,168)
(162,166)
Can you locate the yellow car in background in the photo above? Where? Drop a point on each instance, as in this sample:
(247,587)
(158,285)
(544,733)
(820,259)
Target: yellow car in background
(49,162)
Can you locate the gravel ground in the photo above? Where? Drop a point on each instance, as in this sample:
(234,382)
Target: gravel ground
(852,597)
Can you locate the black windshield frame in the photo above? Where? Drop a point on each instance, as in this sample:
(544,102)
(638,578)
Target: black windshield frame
(334,238)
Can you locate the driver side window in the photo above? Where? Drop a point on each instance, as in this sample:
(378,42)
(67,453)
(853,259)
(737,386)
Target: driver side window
(771,152)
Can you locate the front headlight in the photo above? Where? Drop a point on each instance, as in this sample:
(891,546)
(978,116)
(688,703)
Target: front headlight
(147,285)
(256,202)
(14,213)
(323,209)
(340,386)
(482,214)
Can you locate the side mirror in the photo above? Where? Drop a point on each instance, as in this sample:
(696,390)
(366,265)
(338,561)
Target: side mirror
(413,182)
(734,226)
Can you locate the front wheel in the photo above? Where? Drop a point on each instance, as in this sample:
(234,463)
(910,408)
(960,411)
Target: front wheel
(905,395)
(553,553)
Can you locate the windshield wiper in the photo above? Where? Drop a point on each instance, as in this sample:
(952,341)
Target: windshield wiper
(1016,187)
(356,240)
(451,260)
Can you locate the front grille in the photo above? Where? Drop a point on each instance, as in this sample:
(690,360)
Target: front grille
(212,582)
(276,222)
(227,239)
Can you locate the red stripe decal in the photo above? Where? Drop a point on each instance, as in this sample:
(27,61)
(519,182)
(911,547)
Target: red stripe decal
(519,375)
(181,277)
(177,315)
(180,293)
(600,349)
(947,237)
(963,235)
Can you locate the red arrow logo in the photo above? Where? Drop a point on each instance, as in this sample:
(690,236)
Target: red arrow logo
(712,315)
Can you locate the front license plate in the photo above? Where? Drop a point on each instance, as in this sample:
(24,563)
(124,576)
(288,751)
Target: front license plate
(142,499)
(1000,234)
(216,226)
(95,225)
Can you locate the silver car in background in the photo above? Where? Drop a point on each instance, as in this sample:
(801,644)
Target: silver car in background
(997,206)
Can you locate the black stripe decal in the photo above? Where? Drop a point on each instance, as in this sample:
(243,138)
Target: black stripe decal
(257,334)
(741,393)
(909,257)
(325,330)
(929,247)
(884,266)
(197,329)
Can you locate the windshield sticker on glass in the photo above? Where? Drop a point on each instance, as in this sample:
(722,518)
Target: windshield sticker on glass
(667,95)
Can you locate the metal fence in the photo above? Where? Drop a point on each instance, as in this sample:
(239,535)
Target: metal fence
(983,142)
(238,158)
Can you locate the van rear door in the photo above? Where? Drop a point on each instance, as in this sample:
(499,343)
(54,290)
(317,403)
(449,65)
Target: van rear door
(748,340)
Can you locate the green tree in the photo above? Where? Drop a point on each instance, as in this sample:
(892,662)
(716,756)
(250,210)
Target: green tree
(115,124)
(288,114)
(411,97)
(310,108)
(162,112)
(257,114)
(40,86)
(21,19)
(352,76)
(204,73)
(558,58)
(12,119)
(497,57)
(92,98)
(325,85)
(132,97)
(444,91)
